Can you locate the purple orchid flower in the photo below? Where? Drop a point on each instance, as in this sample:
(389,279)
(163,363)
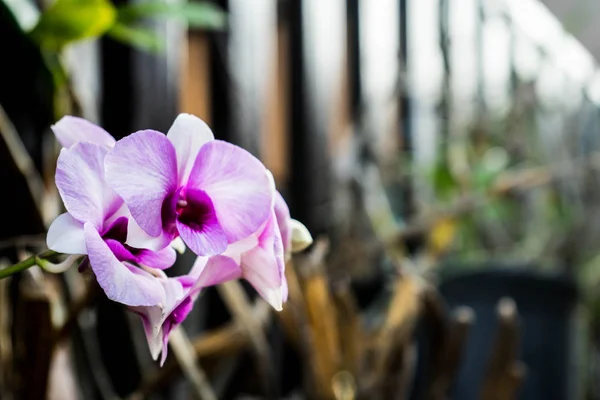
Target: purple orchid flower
(208,192)
(128,201)
(180,295)
(70,130)
(96,225)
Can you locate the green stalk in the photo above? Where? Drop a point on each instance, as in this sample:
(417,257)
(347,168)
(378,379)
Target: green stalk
(23,265)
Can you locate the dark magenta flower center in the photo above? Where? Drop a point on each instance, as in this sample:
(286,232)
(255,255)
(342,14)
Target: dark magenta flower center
(191,207)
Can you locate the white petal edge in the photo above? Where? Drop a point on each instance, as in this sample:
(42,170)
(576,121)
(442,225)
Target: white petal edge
(66,235)
(187,134)
(138,238)
(70,130)
(273,296)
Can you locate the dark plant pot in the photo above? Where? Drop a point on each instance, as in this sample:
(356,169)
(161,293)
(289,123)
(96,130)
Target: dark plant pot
(546,306)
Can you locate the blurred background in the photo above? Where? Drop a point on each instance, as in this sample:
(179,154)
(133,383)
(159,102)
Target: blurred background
(444,154)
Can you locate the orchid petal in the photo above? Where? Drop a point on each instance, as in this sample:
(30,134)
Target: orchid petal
(282,213)
(174,295)
(120,251)
(235,250)
(154,317)
(264,277)
(284,291)
(131,234)
(174,320)
(165,343)
(270,240)
(138,238)
(197,268)
(142,168)
(198,226)
(121,282)
(161,259)
(81,184)
(238,185)
(215,270)
(264,265)
(244,245)
(70,130)
(150,316)
(188,133)
(65,235)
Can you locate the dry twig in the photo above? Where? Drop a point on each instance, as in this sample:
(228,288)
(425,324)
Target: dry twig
(293,316)
(80,304)
(223,342)
(323,345)
(397,328)
(351,335)
(184,352)
(238,303)
(22,159)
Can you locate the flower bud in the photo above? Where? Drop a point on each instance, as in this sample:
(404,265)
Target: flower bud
(301,237)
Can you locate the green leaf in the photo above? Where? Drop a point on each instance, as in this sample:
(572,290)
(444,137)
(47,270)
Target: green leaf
(143,39)
(196,15)
(67,21)
(444,183)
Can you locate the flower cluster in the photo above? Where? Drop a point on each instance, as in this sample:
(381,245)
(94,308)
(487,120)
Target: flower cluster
(132,203)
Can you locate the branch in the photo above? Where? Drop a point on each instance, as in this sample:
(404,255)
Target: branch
(352,336)
(78,306)
(323,347)
(400,320)
(184,352)
(238,303)
(22,159)
(219,343)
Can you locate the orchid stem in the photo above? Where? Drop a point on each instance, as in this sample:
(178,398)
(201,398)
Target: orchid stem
(27,263)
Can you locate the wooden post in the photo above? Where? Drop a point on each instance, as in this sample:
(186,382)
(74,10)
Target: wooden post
(505,374)
(34,337)
(317,31)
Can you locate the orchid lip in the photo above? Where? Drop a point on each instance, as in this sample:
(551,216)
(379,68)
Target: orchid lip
(189,213)
(194,212)
(190,206)
(171,208)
